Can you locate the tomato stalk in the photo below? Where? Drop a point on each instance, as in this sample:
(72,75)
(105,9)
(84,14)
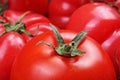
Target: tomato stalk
(70,49)
(18,27)
(22,16)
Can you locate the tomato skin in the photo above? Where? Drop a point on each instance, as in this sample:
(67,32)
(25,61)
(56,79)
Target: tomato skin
(34,23)
(36,29)
(39,6)
(11,15)
(98,18)
(59,11)
(111,45)
(41,62)
(10,46)
(29,18)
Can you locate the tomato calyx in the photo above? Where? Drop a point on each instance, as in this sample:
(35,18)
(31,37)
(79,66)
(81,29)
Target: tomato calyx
(70,49)
(17,27)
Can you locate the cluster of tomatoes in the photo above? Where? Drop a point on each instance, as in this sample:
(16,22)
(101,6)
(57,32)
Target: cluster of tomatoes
(60,40)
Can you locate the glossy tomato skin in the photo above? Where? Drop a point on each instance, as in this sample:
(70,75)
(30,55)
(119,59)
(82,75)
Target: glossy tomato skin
(59,11)
(112,46)
(29,18)
(36,29)
(12,16)
(98,18)
(41,62)
(34,23)
(10,46)
(12,42)
(39,6)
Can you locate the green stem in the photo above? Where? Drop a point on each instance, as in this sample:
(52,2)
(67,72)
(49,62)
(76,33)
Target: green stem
(63,49)
(20,28)
(58,36)
(22,16)
(70,49)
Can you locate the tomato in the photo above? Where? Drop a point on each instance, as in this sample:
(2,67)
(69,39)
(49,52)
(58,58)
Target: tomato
(28,18)
(10,46)
(14,36)
(112,46)
(59,11)
(39,6)
(48,58)
(33,22)
(98,18)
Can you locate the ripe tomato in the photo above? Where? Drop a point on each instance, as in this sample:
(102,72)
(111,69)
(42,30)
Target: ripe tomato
(59,11)
(38,61)
(14,38)
(112,46)
(98,18)
(39,6)
(10,45)
(29,17)
(33,22)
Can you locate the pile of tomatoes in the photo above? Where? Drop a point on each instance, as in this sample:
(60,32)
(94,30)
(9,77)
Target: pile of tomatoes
(59,39)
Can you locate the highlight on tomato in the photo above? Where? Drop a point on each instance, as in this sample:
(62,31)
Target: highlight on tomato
(63,55)
(99,19)
(13,36)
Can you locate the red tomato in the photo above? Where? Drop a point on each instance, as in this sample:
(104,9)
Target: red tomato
(112,46)
(33,22)
(42,62)
(98,18)
(10,45)
(15,37)
(59,11)
(39,6)
(29,17)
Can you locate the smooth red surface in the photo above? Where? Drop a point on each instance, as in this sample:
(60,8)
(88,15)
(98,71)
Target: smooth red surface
(59,11)
(41,62)
(12,42)
(98,18)
(112,46)
(10,46)
(39,6)
(34,23)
